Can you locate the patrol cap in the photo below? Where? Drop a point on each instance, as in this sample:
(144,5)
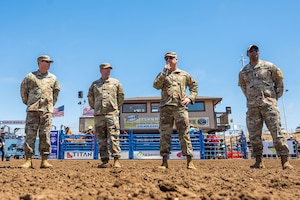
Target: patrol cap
(171,54)
(45,58)
(252,46)
(105,65)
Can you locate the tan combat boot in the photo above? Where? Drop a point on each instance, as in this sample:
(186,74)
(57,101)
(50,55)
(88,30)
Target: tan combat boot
(259,164)
(190,164)
(28,162)
(104,164)
(117,163)
(285,163)
(45,163)
(164,164)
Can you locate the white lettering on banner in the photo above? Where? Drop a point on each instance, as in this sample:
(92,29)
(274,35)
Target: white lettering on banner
(146,155)
(154,119)
(13,122)
(147,126)
(79,155)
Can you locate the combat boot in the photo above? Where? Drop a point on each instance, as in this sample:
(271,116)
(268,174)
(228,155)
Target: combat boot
(190,164)
(117,163)
(104,164)
(164,164)
(259,164)
(285,163)
(45,163)
(28,162)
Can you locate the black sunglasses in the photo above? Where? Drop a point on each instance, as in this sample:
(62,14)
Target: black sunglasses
(169,57)
(46,61)
(256,50)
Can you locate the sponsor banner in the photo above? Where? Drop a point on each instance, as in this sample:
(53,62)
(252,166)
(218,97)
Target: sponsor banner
(79,155)
(199,121)
(124,155)
(269,148)
(146,155)
(12,122)
(54,145)
(136,122)
(177,155)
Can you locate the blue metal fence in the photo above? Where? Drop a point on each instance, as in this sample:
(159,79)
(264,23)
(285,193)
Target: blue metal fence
(140,146)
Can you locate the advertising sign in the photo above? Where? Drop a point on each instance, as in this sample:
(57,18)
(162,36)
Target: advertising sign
(79,155)
(177,155)
(146,155)
(136,122)
(54,145)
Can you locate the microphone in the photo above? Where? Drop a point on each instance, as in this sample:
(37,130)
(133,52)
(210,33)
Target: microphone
(167,66)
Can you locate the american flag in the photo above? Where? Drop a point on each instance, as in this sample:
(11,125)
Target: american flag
(88,111)
(58,112)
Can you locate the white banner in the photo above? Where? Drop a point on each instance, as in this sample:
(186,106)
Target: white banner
(79,155)
(12,122)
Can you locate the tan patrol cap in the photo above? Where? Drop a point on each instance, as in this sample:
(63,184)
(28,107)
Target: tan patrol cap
(45,58)
(171,54)
(252,46)
(105,65)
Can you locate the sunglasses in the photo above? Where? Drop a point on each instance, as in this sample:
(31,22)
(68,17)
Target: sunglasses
(254,50)
(46,61)
(167,58)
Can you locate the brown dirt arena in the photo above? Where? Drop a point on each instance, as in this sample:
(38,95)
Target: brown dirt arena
(141,179)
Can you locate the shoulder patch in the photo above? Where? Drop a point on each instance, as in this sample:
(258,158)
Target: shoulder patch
(279,74)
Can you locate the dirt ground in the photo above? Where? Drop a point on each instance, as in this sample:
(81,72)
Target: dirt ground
(141,179)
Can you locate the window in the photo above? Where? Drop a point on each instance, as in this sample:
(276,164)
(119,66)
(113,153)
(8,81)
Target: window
(134,108)
(196,107)
(155,107)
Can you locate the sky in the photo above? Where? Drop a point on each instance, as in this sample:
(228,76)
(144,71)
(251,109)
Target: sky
(210,38)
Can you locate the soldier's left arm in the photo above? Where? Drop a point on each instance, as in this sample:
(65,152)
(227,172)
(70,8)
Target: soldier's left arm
(277,77)
(120,95)
(193,88)
(56,90)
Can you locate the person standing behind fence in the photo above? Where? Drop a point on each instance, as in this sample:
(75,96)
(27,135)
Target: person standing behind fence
(262,84)
(2,145)
(106,96)
(39,92)
(173,83)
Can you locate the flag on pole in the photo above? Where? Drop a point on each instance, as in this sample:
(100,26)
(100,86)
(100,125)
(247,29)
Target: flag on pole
(59,112)
(88,111)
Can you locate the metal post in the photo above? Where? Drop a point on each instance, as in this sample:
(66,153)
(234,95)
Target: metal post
(286,126)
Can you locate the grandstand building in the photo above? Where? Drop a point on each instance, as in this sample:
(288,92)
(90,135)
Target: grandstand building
(141,114)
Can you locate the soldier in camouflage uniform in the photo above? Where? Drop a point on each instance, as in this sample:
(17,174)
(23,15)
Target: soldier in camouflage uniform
(39,92)
(106,96)
(262,85)
(173,83)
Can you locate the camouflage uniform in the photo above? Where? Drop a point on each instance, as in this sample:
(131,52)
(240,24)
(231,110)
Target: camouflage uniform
(106,97)
(39,92)
(262,85)
(173,90)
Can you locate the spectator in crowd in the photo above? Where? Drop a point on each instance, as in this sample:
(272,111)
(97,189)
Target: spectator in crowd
(89,131)
(2,145)
(213,143)
(173,83)
(106,96)
(262,84)
(68,131)
(39,92)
